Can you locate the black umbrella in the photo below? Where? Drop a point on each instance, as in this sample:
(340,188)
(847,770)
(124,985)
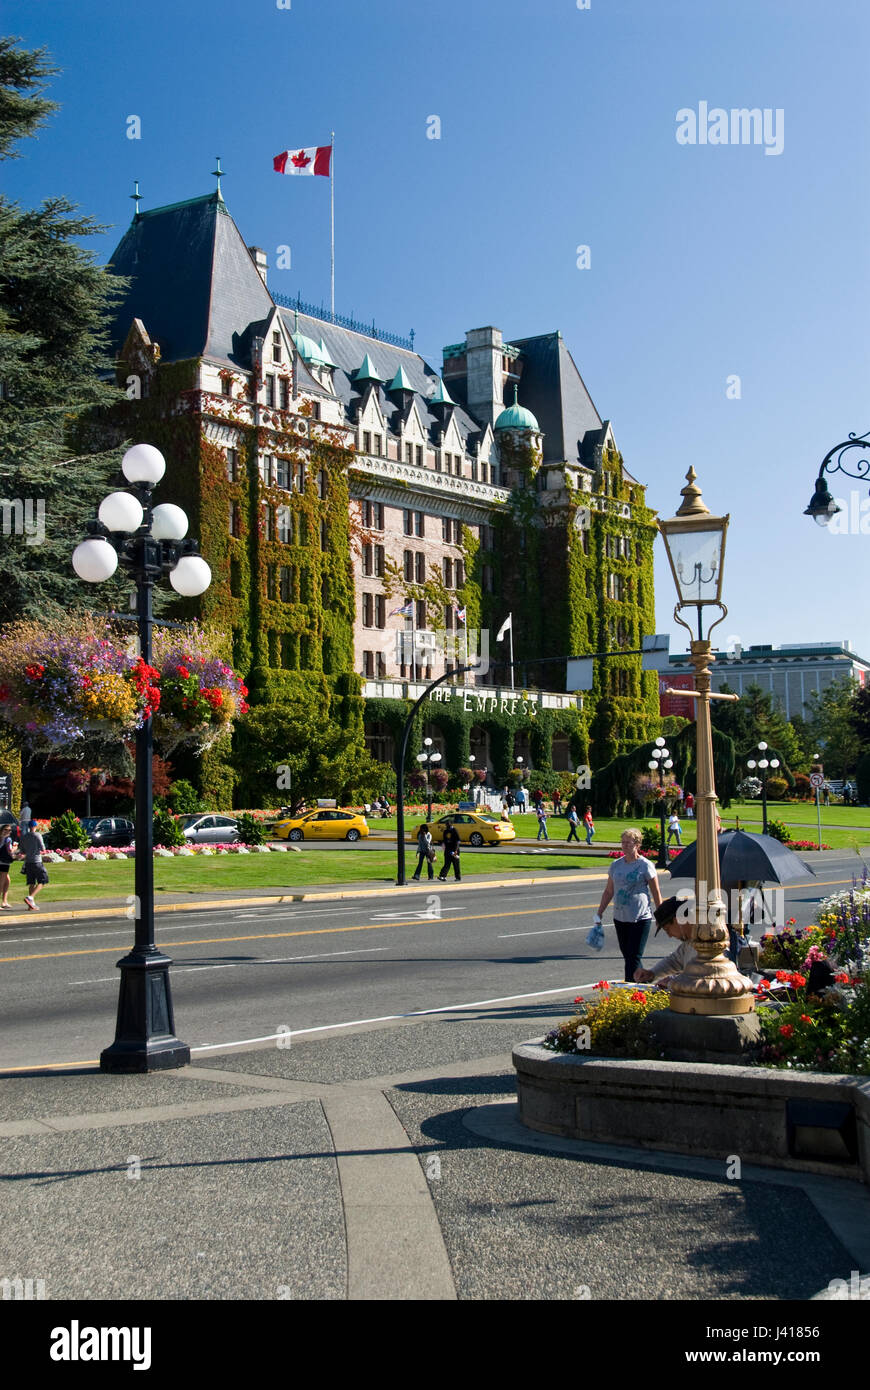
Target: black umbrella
(745,858)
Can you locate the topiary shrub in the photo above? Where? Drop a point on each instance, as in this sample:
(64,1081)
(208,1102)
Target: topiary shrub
(776,788)
(250,829)
(66,832)
(167,831)
(802,789)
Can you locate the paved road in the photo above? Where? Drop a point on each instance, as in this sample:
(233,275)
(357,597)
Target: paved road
(251,973)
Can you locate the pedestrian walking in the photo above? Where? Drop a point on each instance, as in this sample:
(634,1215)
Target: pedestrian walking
(689,803)
(537,797)
(31,848)
(573,823)
(827,793)
(674,828)
(590,828)
(451,854)
(425,852)
(557,802)
(542,822)
(7,854)
(633,887)
(521,800)
(509,800)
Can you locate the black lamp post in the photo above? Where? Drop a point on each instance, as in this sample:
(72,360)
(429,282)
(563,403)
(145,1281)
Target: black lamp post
(659,762)
(149,542)
(428,757)
(822,505)
(763,763)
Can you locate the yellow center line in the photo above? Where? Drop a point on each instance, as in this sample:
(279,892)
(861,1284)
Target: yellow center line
(312,931)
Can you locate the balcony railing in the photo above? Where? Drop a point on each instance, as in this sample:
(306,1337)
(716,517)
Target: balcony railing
(342,321)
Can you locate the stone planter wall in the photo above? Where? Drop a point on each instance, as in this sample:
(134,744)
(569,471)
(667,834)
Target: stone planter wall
(806,1121)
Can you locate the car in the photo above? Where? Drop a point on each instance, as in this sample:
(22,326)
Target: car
(473,827)
(108,831)
(322,825)
(210,829)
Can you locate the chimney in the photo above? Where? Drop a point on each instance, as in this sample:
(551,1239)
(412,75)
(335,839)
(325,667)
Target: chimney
(485,379)
(258,256)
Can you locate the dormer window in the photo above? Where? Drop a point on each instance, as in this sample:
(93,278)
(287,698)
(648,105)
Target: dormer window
(276,346)
(367,442)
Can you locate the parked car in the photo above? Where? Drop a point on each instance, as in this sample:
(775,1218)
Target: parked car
(473,828)
(210,829)
(109,831)
(323,825)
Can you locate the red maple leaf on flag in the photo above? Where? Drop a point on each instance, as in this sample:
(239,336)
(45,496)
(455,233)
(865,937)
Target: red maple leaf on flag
(301,159)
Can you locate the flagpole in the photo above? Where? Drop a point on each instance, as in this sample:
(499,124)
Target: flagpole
(413,640)
(511,631)
(332,223)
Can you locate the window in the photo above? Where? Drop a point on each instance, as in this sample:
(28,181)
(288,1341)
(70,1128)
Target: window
(276,346)
(367,442)
(268,522)
(321,483)
(379,445)
(420,567)
(270,581)
(235,579)
(368,563)
(473,471)
(446,529)
(368,609)
(638,553)
(380,611)
(420,613)
(379,561)
(226,385)
(460,574)
(265,467)
(299,477)
(233,465)
(373,516)
(409,453)
(419,455)
(382,665)
(324,536)
(369,664)
(235,519)
(457,465)
(448,616)
(284,393)
(408,563)
(280,472)
(283,525)
(447,564)
(437,461)
(419,524)
(408,519)
(270,389)
(288,585)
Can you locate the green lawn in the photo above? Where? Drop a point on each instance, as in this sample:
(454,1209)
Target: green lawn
(204,874)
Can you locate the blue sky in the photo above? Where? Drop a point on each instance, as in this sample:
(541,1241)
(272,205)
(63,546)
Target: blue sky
(558,129)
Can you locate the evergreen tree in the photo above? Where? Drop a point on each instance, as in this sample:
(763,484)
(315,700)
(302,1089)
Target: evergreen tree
(831,723)
(56,461)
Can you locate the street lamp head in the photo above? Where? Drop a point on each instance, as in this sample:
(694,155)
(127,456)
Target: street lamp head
(822,505)
(471,758)
(762,762)
(191,576)
(94,561)
(143,464)
(168,522)
(519,760)
(121,511)
(660,743)
(669,763)
(422,757)
(428,742)
(762,747)
(695,543)
(652,765)
(774,762)
(750,762)
(434,757)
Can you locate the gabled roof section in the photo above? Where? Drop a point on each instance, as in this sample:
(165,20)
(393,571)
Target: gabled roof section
(553,389)
(193,283)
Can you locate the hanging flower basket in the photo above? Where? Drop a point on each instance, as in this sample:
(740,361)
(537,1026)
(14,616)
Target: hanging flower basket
(59,687)
(200,695)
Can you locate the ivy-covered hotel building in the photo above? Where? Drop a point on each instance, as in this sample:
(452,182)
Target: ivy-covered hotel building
(352,499)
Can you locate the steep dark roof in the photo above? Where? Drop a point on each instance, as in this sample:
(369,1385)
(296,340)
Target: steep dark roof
(194,285)
(552,388)
(347,350)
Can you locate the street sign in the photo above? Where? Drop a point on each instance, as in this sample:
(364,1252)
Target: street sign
(817,779)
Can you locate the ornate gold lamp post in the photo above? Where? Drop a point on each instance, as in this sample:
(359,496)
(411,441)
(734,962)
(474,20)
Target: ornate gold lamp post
(711,985)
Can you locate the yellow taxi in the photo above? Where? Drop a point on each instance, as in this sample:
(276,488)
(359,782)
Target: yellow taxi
(473,828)
(322,825)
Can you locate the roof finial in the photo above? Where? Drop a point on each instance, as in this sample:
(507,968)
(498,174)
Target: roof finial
(136,195)
(218,173)
(516,394)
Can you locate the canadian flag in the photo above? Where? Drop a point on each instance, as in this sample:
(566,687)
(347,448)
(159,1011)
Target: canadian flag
(313,161)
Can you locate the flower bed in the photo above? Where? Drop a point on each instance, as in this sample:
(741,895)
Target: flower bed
(612,1024)
(646,853)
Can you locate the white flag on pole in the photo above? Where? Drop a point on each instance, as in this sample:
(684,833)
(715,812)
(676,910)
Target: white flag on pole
(507,626)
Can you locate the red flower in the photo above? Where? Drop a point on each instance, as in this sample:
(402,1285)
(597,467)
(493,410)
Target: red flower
(244,707)
(183,673)
(638,996)
(35,672)
(787,1029)
(153,697)
(243,690)
(602,984)
(842,979)
(805,1018)
(790,922)
(797,980)
(783,975)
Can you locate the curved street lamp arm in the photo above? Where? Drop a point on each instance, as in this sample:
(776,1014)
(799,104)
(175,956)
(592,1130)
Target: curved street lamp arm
(855,441)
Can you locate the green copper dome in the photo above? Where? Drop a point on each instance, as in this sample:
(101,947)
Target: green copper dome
(516,417)
(308,349)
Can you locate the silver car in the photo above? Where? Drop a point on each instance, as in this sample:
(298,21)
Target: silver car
(210,829)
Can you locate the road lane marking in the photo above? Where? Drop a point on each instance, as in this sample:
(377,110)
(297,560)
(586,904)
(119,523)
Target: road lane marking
(237,964)
(547,931)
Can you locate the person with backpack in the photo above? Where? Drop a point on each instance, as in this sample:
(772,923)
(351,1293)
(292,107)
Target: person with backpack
(573,823)
(425,852)
(590,828)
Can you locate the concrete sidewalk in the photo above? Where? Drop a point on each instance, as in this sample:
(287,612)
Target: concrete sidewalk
(385,1163)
